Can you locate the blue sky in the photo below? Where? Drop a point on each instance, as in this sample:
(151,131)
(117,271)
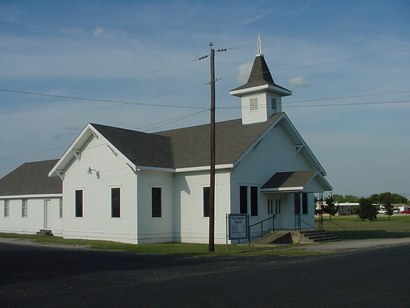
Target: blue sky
(347,63)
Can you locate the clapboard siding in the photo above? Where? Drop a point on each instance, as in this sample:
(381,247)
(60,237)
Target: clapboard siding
(155,229)
(193,226)
(275,153)
(34,221)
(97,222)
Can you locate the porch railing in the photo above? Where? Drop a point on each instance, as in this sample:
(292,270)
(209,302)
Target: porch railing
(261,224)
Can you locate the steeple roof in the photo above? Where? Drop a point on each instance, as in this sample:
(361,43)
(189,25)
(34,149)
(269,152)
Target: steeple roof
(260,76)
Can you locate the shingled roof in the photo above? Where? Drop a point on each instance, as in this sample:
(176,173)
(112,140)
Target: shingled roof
(31,178)
(283,180)
(142,149)
(190,145)
(186,147)
(260,75)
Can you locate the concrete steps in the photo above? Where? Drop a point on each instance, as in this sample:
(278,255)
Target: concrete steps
(316,236)
(45,232)
(289,237)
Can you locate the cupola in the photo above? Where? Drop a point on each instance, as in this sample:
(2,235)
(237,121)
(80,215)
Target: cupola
(260,96)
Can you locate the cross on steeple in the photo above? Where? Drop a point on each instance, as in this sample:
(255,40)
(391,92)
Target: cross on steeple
(259,46)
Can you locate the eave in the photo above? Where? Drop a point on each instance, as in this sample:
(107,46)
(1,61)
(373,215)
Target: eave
(261,88)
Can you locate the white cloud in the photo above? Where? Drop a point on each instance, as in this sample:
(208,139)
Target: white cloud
(98,31)
(299,81)
(243,71)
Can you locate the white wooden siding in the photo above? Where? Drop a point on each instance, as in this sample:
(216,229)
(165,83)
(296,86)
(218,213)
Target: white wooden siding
(192,225)
(264,110)
(97,222)
(275,153)
(155,229)
(34,221)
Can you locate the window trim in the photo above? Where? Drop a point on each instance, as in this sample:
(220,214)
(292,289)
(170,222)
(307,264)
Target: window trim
(277,206)
(206,190)
(24,211)
(296,197)
(254,191)
(274,103)
(156,212)
(115,209)
(243,199)
(6,208)
(253,104)
(60,208)
(305,203)
(79,207)
(270,206)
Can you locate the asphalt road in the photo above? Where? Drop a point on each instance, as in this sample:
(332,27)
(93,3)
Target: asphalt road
(51,277)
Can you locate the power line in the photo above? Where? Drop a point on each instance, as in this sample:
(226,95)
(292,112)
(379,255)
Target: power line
(350,104)
(345,97)
(158,124)
(99,100)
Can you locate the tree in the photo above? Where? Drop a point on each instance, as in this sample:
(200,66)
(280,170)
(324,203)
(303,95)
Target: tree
(389,208)
(367,210)
(382,198)
(386,199)
(338,198)
(351,198)
(329,206)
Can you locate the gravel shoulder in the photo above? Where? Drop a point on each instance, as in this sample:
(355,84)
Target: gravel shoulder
(351,245)
(27,242)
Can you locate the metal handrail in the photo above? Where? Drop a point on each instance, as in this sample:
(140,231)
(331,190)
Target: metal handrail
(306,223)
(337,225)
(261,223)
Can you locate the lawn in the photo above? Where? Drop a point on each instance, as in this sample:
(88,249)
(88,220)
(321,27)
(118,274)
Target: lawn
(346,227)
(166,248)
(351,227)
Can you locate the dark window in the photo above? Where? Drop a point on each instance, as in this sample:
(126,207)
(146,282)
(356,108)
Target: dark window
(205,198)
(115,202)
(270,206)
(304,203)
(156,201)
(277,206)
(78,203)
(273,103)
(254,201)
(297,203)
(243,199)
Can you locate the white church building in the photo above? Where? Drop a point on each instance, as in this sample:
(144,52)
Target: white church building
(128,186)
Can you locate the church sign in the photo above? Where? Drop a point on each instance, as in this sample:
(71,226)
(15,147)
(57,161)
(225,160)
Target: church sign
(238,226)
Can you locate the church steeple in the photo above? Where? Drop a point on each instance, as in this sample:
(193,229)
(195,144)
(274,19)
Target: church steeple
(260,96)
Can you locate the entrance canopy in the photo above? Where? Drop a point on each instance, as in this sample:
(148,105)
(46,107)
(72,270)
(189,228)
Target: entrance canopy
(293,181)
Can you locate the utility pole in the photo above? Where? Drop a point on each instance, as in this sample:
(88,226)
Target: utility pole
(211,246)
(211,205)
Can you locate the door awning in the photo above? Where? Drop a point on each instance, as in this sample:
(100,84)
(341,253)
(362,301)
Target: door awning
(293,181)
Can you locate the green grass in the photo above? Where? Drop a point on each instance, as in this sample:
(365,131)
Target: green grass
(351,227)
(346,227)
(178,249)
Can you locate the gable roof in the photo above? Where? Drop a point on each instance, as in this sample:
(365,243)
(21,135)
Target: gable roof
(31,178)
(190,145)
(140,148)
(185,147)
(260,75)
(294,180)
